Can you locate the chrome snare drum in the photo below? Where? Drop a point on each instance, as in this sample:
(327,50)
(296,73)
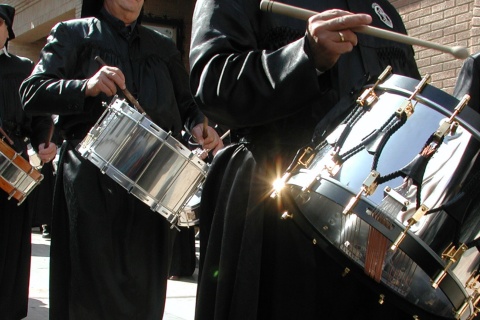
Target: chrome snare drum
(17,176)
(382,196)
(144,159)
(188,216)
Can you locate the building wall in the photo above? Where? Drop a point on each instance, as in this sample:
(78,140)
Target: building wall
(445,22)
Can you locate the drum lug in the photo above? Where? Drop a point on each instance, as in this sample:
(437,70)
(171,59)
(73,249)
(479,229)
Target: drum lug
(407,107)
(472,284)
(414,219)
(453,256)
(302,159)
(381,299)
(369,95)
(286,215)
(369,186)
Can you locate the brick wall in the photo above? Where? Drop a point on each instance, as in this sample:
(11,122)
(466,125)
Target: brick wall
(446,22)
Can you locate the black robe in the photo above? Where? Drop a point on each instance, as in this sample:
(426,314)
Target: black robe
(251,71)
(468,81)
(110,252)
(15,220)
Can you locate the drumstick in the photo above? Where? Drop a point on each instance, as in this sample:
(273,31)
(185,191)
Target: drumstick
(125,91)
(303,14)
(6,136)
(205,127)
(221,138)
(50,135)
(225,135)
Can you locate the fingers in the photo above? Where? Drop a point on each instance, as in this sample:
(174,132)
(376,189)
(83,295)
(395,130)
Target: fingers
(106,80)
(211,142)
(330,35)
(47,154)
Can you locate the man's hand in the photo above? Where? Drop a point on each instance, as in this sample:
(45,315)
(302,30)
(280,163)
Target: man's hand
(105,80)
(330,36)
(211,142)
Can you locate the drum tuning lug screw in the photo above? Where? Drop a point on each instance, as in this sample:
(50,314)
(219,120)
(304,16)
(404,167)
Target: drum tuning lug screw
(345,272)
(415,317)
(314,241)
(381,300)
(286,216)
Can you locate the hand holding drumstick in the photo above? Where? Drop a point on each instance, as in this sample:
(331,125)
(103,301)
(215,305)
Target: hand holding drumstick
(207,137)
(47,151)
(107,80)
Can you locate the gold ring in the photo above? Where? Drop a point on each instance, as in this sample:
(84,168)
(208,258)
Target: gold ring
(342,38)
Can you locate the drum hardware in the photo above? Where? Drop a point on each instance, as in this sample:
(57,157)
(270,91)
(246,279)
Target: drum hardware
(369,186)
(437,138)
(125,91)
(381,299)
(345,272)
(302,159)
(304,14)
(397,197)
(453,255)
(369,96)
(407,107)
(286,215)
(473,284)
(410,222)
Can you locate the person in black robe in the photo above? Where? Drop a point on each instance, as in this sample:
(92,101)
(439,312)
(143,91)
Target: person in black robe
(468,81)
(272,79)
(110,253)
(15,219)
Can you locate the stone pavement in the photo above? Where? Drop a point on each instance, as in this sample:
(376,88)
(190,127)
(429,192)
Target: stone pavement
(180,304)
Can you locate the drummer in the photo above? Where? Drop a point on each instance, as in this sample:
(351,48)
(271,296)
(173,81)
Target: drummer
(110,253)
(273,79)
(15,220)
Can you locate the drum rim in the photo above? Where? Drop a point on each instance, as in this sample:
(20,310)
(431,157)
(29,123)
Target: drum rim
(450,286)
(468,118)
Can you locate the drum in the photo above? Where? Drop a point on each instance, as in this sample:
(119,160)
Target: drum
(17,176)
(144,159)
(379,195)
(188,216)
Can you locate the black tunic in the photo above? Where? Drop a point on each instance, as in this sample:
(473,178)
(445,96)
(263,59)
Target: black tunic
(15,221)
(110,252)
(251,71)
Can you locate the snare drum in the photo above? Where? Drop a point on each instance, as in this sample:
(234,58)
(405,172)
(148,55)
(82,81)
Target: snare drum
(17,176)
(372,232)
(189,214)
(144,159)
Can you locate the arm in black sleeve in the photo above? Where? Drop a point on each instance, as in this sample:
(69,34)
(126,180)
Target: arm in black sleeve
(237,83)
(53,87)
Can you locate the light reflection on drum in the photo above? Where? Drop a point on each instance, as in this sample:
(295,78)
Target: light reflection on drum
(381,236)
(144,159)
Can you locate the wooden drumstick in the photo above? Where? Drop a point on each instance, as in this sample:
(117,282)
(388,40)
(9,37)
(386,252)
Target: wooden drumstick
(50,135)
(205,127)
(6,136)
(125,91)
(303,14)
